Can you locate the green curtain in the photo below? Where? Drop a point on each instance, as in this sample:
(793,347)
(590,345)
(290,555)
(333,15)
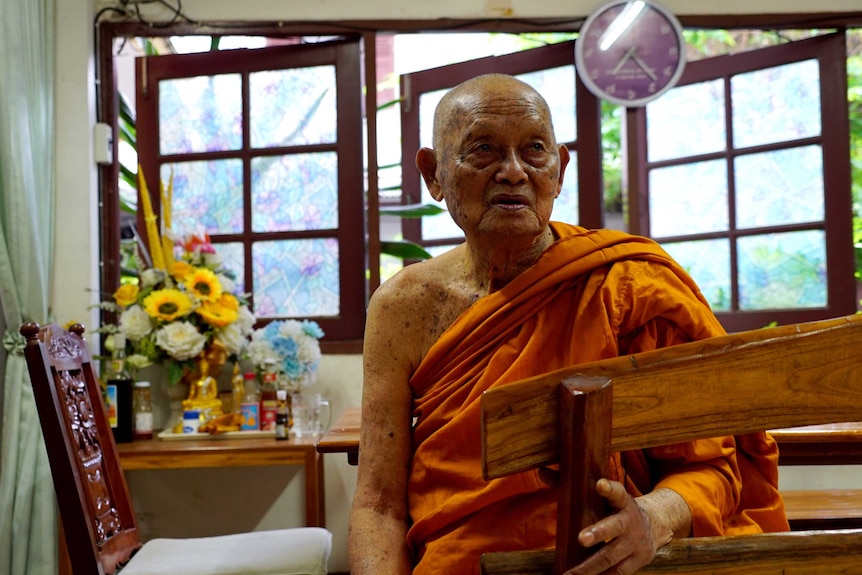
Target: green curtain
(28,520)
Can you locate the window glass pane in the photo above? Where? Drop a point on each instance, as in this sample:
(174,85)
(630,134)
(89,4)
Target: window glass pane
(233,259)
(296,278)
(427,104)
(206,195)
(566,204)
(686,121)
(201,114)
(440,226)
(708,263)
(779,271)
(781,187)
(557,86)
(295,192)
(688,199)
(292,107)
(776,104)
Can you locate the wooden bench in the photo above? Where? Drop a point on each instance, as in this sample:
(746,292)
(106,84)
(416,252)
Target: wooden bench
(823,509)
(775,378)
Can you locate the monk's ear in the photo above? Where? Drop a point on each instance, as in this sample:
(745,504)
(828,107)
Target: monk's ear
(426,162)
(564,161)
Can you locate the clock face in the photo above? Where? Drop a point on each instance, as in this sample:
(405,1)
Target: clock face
(630,52)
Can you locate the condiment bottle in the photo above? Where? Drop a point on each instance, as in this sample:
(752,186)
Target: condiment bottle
(268,402)
(282,424)
(118,386)
(250,405)
(143,411)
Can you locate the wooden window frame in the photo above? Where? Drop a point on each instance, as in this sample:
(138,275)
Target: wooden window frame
(107,105)
(343,55)
(830,52)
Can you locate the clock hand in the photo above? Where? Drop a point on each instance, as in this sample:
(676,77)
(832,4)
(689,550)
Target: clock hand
(629,53)
(643,65)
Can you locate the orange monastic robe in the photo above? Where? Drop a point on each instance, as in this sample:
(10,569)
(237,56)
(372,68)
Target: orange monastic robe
(592,295)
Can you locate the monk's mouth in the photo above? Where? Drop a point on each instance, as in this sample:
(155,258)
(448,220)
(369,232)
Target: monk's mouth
(509,203)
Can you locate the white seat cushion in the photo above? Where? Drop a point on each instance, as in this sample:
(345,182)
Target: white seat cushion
(300,551)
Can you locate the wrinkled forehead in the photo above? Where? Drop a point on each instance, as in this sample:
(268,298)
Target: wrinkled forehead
(513,107)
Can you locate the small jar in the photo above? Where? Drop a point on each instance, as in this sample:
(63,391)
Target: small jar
(142,410)
(191,420)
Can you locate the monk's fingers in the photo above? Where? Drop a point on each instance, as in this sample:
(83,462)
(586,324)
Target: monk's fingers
(618,558)
(614,492)
(603,530)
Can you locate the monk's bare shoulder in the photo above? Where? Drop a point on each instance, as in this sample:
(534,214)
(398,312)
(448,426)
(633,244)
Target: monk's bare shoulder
(420,302)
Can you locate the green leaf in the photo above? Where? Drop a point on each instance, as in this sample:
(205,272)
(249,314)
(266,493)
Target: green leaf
(389,104)
(404,250)
(412,210)
(175,372)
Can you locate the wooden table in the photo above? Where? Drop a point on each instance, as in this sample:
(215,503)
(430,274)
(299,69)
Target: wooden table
(243,452)
(810,445)
(343,435)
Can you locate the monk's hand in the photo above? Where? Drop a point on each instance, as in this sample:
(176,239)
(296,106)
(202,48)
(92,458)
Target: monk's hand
(627,534)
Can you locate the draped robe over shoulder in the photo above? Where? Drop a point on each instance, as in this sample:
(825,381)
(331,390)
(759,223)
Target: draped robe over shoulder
(593,294)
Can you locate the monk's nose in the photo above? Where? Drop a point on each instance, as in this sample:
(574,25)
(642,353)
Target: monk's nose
(511,169)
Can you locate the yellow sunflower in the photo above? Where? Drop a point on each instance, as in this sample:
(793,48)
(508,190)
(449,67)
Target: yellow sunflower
(229,301)
(203,284)
(126,295)
(180,270)
(216,314)
(167,304)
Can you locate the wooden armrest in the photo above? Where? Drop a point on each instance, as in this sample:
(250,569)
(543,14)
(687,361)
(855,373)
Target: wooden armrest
(809,552)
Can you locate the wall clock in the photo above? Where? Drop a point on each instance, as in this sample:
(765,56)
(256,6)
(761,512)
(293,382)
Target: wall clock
(630,52)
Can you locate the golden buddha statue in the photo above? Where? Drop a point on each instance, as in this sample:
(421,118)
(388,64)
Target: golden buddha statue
(203,392)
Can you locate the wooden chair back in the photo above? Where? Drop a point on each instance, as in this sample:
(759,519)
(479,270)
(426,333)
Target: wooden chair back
(93,499)
(788,376)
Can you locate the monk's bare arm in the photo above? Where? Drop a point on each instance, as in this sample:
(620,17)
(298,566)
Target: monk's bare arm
(379,516)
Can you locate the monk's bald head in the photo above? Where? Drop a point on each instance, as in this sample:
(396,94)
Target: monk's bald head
(455,106)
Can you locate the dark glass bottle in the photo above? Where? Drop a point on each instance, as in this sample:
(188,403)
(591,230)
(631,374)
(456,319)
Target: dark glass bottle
(119,388)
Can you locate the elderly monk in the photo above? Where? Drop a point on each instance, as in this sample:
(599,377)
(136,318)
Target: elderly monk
(524,296)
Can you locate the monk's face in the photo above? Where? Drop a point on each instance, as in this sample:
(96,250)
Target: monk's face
(499,168)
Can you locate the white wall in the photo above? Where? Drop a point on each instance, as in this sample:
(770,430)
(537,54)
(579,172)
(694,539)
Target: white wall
(193,502)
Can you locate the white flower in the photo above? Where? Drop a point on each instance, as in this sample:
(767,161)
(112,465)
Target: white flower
(135,323)
(227,284)
(138,361)
(259,350)
(246,320)
(151,277)
(233,338)
(211,259)
(181,340)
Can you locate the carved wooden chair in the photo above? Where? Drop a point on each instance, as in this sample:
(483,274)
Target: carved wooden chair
(96,512)
(789,376)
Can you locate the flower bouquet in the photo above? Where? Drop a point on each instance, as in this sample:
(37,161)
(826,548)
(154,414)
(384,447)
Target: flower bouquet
(182,304)
(292,345)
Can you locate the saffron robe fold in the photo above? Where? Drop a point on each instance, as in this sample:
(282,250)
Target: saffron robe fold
(592,295)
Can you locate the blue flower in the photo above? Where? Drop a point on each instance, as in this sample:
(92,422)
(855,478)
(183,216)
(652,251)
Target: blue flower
(311,329)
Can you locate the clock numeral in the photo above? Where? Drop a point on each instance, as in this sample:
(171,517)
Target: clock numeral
(632,94)
(673,51)
(611,88)
(594,74)
(651,87)
(668,70)
(665,28)
(588,53)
